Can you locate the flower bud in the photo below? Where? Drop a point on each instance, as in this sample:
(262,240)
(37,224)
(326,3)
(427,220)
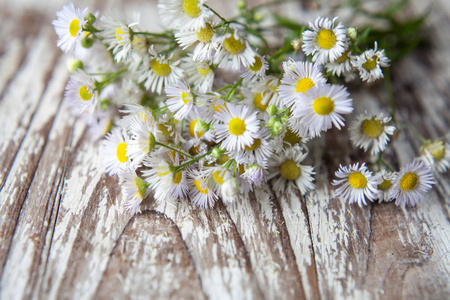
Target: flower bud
(90,18)
(74,64)
(216,152)
(201,126)
(230,190)
(277,128)
(272,110)
(352,33)
(87,42)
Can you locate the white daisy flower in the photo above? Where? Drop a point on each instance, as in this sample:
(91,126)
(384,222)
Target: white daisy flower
(80,93)
(117,34)
(218,176)
(142,141)
(131,111)
(69,26)
(183,14)
(180,99)
(322,106)
(369,64)
(254,174)
(234,48)
(371,131)
(356,184)
(230,190)
(199,75)
(237,127)
(437,155)
(287,172)
(115,158)
(326,41)
(413,181)
(134,190)
(341,65)
(204,40)
(100,124)
(259,151)
(201,193)
(385,186)
(257,70)
(298,78)
(159,72)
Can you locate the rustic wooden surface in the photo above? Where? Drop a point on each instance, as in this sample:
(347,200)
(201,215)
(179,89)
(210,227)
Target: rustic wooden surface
(64,234)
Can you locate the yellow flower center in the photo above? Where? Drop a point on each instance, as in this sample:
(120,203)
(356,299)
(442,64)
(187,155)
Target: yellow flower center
(121,152)
(205,34)
(341,58)
(161,174)
(409,181)
(357,180)
(198,185)
(233,45)
(194,150)
(257,65)
(164,129)
(185,97)
(384,185)
(204,71)
(256,144)
(223,159)
(236,126)
(177,178)
(289,170)
(218,107)
(217,178)
(85,93)
(119,33)
(257,101)
(303,85)
(240,169)
(323,106)
(74,27)
(370,63)
(291,137)
(326,39)
(160,69)
(192,130)
(436,148)
(372,128)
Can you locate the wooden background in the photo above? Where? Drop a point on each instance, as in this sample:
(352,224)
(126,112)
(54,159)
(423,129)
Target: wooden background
(64,234)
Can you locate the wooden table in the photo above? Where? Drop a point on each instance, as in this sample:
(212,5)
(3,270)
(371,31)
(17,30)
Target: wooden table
(64,233)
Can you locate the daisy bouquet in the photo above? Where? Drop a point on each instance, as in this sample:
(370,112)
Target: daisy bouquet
(209,109)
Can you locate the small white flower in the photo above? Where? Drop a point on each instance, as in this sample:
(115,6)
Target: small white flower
(230,190)
(341,65)
(183,14)
(114,152)
(181,99)
(131,111)
(369,64)
(254,174)
(204,40)
(100,123)
(80,93)
(322,107)
(257,70)
(142,141)
(234,48)
(237,127)
(326,41)
(437,155)
(199,75)
(259,151)
(356,184)
(385,186)
(201,193)
(371,131)
(413,181)
(134,190)
(69,26)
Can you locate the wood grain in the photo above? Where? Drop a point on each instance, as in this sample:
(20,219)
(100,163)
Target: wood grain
(64,235)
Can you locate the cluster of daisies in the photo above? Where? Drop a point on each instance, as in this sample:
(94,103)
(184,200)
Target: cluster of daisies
(198,112)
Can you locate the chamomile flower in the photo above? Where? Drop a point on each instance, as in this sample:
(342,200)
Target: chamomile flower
(230,190)
(159,72)
(204,40)
(142,141)
(183,14)
(134,190)
(341,65)
(371,131)
(287,172)
(115,157)
(180,99)
(69,26)
(254,174)
(201,193)
(132,111)
(413,181)
(437,155)
(237,127)
(322,107)
(80,93)
(234,48)
(356,184)
(385,186)
(326,41)
(218,176)
(257,70)
(298,78)
(100,124)
(259,151)
(369,64)
(199,75)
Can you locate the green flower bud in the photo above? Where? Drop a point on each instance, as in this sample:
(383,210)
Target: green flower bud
(272,121)
(74,64)
(284,119)
(352,32)
(201,126)
(277,128)
(105,103)
(90,18)
(216,152)
(272,110)
(87,42)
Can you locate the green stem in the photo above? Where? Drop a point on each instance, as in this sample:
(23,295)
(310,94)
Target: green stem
(387,165)
(216,13)
(414,131)
(102,84)
(161,35)
(195,159)
(174,149)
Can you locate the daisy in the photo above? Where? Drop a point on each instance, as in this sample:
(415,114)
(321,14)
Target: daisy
(371,131)
(80,93)
(131,111)
(257,70)
(201,193)
(199,75)
(437,155)
(218,176)
(159,72)
(259,151)
(298,78)
(100,124)
(356,184)
(413,181)
(234,48)
(325,42)
(69,26)
(115,158)
(341,65)
(385,186)
(321,107)
(142,141)
(134,189)
(287,172)
(369,64)
(180,99)
(237,127)
(184,14)
(204,40)
(230,190)
(254,174)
